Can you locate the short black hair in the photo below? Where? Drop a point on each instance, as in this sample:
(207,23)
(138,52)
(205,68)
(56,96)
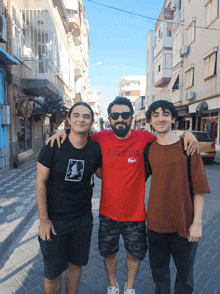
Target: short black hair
(164,104)
(121,101)
(83,104)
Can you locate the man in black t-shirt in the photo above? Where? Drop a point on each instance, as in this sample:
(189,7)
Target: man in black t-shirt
(64,191)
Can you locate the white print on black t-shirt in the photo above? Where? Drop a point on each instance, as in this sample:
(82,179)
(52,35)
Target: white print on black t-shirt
(75,170)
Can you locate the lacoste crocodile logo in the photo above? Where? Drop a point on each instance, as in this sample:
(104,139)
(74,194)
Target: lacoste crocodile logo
(131,160)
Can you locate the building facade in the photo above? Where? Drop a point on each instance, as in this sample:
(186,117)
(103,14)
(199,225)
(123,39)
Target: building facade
(139,113)
(132,87)
(186,62)
(93,99)
(7,61)
(49,39)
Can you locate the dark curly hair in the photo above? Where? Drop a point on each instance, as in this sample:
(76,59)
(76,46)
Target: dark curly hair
(164,104)
(121,101)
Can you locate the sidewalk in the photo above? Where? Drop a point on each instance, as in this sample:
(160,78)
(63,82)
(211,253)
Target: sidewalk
(18,202)
(21,265)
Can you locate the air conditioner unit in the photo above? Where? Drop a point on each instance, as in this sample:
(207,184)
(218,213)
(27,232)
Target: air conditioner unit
(3,29)
(184,51)
(173,7)
(190,95)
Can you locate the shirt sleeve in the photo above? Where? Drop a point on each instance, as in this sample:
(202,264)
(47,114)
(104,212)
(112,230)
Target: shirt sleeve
(198,176)
(148,170)
(95,137)
(46,155)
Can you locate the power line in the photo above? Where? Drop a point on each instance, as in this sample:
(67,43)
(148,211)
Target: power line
(148,17)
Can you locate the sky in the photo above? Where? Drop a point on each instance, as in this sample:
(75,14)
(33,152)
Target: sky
(118,41)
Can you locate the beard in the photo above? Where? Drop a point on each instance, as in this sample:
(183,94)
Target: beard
(121,131)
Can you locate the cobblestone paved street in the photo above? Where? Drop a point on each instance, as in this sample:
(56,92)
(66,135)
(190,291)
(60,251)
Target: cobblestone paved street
(21,266)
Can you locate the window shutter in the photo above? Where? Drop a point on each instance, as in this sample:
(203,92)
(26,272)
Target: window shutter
(206,68)
(209,13)
(212,63)
(191,77)
(214,9)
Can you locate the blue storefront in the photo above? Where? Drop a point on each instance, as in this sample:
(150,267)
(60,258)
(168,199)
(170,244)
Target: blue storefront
(5,60)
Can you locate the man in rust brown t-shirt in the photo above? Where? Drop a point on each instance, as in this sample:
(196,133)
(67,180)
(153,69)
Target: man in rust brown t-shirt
(174,221)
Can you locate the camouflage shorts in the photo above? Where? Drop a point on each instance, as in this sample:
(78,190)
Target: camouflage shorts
(133,233)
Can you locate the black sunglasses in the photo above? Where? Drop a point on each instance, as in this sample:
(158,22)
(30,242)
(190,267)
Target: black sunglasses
(115,115)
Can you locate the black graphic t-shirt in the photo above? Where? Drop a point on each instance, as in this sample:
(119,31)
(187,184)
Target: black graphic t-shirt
(69,189)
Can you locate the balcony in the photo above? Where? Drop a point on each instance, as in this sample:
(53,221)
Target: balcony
(163,69)
(164,43)
(162,78)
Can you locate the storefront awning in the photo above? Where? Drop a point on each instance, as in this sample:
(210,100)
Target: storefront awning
(6,58)
(202,107)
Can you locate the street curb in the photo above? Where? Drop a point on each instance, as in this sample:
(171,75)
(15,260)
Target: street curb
(15,228)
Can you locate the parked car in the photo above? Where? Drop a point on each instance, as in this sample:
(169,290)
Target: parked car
(207,146)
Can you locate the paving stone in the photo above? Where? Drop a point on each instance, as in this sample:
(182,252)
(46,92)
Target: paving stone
(23,264)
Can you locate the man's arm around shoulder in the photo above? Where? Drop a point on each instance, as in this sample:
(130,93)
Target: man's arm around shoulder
(41,194)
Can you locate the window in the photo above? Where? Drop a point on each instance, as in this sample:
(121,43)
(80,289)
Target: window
(211,11)
(169,30)
(158,68)
(189,73)
(190,33)
(209,65)
(127,84)
(176,84)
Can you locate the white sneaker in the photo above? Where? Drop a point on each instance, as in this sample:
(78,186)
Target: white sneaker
(113,290)
(129,291)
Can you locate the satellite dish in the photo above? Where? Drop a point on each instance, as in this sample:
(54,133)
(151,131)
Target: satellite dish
(74,29)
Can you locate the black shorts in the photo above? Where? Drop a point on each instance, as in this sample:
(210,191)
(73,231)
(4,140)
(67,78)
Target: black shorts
(133,233)
(69,248)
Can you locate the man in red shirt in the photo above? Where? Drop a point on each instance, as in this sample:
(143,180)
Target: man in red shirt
(122,207)
(174,217)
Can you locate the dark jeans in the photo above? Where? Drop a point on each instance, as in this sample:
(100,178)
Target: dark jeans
(161,247)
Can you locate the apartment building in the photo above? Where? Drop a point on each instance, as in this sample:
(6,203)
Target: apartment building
(6,62)
(201,63)
(49,39)
(93,99)
(163,51)
(132,87)
(152,92)
(139,113)
(186,63)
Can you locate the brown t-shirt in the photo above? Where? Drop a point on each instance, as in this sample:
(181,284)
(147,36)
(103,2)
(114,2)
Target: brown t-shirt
(170,208)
